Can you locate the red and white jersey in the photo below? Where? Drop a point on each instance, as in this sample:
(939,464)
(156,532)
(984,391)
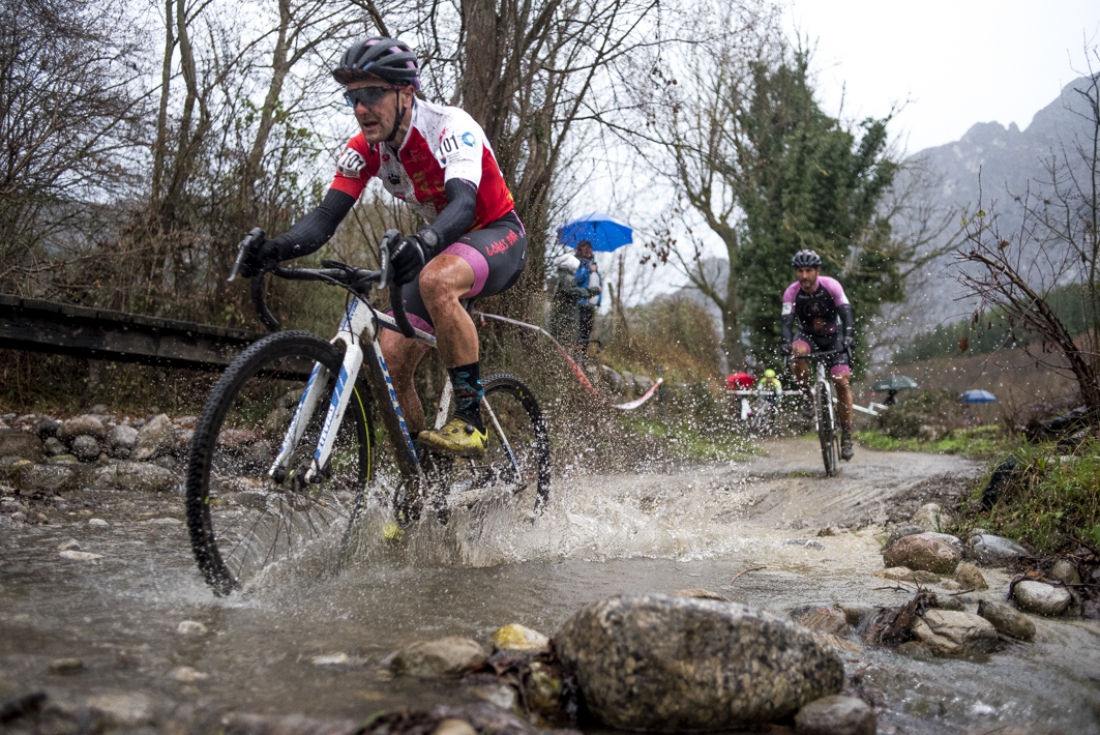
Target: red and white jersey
(443,143)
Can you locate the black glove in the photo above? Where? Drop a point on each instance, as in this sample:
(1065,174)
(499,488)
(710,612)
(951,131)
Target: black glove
(262,256)
(407,258)
(593,290)
(849,342)
(785,348)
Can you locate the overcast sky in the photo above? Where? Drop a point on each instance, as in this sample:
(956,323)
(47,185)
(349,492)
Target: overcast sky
(956,63)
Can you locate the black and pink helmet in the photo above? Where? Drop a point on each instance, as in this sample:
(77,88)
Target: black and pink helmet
(385,58)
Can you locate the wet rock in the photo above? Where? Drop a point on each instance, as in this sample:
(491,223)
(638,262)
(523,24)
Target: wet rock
(46,478)
(903,531)
(53,446)
(642,383)
(856,615)
(20,444)
(457,727)
(80,425)
(46,427)
(191,627)
(121,440)
(672,663)
(516,637)
(70,545)
(952,632)
(65,459)
(1007,620)
(330,659)
(1041,598)
(85,448)
(1065,571)
(822,619)
(544,687)
(501,695)
(99,409)
(923,551)
(836,715)
(156,438)
(970,577)
(98,522)
(628,381)
(131,709)
(236,723)
(931,518)
(613,379)
(80,555)
(990,550)
(66,665)
(897,574)
(134,476)
(700,594)
(444,658)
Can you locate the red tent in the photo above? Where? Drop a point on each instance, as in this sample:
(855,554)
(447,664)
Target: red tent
(739,381)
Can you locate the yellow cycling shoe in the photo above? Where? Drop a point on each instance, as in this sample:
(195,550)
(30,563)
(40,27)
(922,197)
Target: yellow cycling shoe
(458,437)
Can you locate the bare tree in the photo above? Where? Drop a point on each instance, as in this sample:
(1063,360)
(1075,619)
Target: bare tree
(70,112)
(1057,246)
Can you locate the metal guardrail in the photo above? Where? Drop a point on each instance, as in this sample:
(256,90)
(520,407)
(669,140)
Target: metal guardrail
(100,334)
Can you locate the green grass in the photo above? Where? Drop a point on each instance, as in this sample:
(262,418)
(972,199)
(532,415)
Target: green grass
(982,442)
(1053,501)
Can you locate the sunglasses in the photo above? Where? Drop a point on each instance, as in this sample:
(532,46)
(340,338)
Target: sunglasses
(367,96)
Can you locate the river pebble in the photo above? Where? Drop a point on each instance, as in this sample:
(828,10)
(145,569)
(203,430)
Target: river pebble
(651,663)
(990,550)
(516,637)
(130,709)
(191,627)
(98,522)
(85,425)
(66,665)
(80,555)
(501,695)
(1041,598)
(1007,619)
(454,727)
(187,675)
(930,517)
(70,545)
(1065,571)
(156,438)
(444,658)
(330,659)
(836,715)
(700,594)
(970,577)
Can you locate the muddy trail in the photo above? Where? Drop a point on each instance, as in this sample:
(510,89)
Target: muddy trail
(771,532)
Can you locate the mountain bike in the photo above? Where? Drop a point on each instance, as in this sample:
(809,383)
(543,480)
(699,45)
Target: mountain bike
(284,452)
(823,397)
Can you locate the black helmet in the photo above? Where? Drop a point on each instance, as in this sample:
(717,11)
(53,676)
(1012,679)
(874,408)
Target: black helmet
(385,58)
(806,259)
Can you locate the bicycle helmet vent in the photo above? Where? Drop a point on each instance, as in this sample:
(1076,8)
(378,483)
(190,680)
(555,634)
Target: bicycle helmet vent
(385,58)
(806,259)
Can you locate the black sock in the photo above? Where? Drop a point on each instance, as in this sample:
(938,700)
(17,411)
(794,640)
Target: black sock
(466,380)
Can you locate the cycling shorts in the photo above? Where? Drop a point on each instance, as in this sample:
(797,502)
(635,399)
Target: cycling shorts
(838,363)
(496,252)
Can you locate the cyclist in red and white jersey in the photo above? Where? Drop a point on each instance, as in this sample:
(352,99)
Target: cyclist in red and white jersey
(436,159)
(819,305)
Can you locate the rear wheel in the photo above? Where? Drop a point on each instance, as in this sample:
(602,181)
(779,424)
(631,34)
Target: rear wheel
(517,456)
(827,431)
(240,519)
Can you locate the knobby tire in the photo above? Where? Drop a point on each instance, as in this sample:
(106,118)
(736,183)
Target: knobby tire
(827,431)
(239,519)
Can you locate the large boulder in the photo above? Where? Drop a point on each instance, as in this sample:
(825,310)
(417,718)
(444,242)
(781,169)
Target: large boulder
(14,443)
(952,632)
(669,664)
(924,551)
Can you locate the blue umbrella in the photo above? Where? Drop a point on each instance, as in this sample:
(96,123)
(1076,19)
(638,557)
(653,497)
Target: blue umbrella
(977,396)
(602,230)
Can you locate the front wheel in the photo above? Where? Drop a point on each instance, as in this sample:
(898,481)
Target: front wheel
(827,431)
(517,455)
(241,519)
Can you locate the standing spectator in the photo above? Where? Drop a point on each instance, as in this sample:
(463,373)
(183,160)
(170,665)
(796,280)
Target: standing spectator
(565,303)
(587,277)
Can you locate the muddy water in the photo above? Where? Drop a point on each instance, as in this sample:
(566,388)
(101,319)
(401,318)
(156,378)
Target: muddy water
(746,530)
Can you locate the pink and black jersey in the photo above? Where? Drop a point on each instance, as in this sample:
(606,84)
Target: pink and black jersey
(443,143)
(816,312)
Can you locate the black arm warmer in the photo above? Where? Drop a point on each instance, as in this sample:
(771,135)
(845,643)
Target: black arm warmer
(315,229)
(455,219)
(847,321)
(787,322)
